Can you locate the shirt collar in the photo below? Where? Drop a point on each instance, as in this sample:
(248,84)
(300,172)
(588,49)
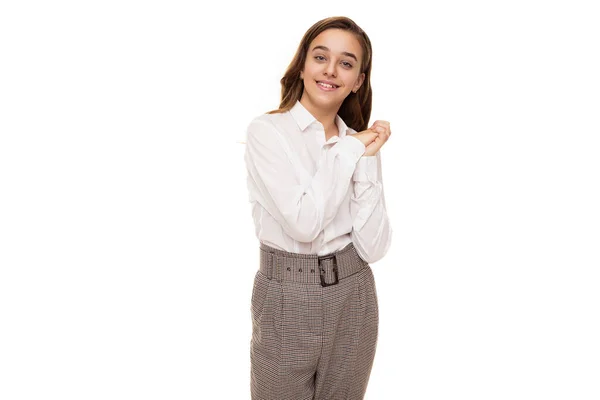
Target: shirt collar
(304,118)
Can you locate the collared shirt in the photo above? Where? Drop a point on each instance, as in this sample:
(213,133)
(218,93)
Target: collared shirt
(314,196)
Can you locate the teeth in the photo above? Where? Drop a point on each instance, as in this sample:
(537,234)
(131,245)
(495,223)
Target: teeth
(326,85)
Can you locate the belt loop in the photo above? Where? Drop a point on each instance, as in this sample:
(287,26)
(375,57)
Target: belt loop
(277,267)
(274,262)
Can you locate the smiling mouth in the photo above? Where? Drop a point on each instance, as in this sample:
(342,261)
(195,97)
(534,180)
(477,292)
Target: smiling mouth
(326,85)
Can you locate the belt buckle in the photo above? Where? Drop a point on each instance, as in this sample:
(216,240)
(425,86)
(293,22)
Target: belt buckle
(335,270)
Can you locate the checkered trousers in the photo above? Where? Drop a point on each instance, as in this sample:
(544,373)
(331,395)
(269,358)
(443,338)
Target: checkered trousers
(314,326)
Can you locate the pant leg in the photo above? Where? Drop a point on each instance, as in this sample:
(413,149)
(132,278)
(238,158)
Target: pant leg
(350,329)
(286,339)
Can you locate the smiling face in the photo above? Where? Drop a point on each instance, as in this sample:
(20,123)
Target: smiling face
(332,70)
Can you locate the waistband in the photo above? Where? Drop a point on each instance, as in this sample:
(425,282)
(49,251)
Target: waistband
(310,268)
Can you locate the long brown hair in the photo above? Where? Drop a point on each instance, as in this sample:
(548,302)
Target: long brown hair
(356,108)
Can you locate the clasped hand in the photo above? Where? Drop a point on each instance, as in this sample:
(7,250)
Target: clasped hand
(374,137)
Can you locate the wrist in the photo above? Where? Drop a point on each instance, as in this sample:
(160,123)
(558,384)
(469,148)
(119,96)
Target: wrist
(369,153)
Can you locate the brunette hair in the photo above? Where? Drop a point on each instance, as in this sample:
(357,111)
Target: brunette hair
(356,108)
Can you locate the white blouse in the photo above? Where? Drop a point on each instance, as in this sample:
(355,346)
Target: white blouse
(311,196)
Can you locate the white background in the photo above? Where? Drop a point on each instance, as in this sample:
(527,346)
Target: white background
(127,248)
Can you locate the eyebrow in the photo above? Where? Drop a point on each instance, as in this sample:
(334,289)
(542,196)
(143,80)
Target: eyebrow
(343,52)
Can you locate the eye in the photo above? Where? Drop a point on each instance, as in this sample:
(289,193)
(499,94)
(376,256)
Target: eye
(347,64)
(320,58)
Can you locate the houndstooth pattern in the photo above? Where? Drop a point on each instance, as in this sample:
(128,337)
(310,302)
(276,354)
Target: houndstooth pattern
(309,341)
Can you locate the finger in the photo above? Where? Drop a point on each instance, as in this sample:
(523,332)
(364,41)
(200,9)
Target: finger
(384,133)
(382,123)
(372,136)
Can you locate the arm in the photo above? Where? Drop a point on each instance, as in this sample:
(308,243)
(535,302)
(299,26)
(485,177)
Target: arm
(371,229)
(302,208)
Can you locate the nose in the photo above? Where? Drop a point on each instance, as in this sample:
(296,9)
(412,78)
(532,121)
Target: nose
(330,70)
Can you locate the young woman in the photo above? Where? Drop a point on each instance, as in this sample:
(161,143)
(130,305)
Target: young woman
(316,190)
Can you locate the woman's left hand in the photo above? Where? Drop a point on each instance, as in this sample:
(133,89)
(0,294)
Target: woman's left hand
(383,134)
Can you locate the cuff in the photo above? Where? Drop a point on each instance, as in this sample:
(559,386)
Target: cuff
(351,146)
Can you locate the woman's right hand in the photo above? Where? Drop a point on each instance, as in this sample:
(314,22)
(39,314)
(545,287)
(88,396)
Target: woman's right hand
(366,137)
(384,132)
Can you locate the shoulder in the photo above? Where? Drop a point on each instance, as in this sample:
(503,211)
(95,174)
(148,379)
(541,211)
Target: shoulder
(269,119)
(267,130)
(267,124)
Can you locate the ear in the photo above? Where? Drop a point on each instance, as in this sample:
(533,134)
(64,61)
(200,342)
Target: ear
(359,82)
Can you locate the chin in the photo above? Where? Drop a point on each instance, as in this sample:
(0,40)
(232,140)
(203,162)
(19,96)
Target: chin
(325,100)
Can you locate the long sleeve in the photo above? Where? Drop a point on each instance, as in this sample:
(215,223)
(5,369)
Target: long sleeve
(302,207)
(371,229)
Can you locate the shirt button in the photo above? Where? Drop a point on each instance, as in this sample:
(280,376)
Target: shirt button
(300,270)
(312,270)
(289,269)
